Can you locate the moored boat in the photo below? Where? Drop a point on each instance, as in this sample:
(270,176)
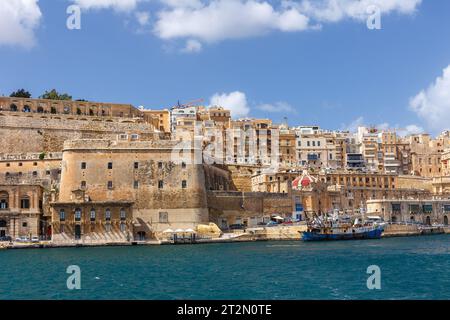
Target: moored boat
(336,228)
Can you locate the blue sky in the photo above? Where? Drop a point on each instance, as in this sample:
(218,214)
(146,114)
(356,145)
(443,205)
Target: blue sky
(336,76)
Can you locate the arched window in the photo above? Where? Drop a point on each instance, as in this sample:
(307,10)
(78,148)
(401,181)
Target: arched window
(4,196)
(123,214)
(2,224)
(77,214)
(62,215)
(13,107)
(40,110)
(108,215)
(122,227)
(446,220)
(92,214)
(25,202)
(26,108)
(428,221)
(394,219)
(412,219)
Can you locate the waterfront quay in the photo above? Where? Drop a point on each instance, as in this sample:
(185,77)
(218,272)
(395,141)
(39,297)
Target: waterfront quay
(276,233)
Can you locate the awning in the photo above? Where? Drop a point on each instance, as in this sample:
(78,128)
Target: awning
(189,231)
(278,218)
(168,231)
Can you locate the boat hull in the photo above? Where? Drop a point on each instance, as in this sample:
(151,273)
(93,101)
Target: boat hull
(317,236)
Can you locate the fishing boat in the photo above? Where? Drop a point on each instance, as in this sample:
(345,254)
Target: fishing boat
(335,228)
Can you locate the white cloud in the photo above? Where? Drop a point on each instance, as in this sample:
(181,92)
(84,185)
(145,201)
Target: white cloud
(118,5)
(225,19)
(433,103)
(277,107)
(235,101)
(192,46)
(18,21)
(143,18)
(337,10)
(409,130)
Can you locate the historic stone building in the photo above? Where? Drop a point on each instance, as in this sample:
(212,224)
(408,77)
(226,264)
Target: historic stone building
(68,107)
(21,212)
(420,210)
(144,182)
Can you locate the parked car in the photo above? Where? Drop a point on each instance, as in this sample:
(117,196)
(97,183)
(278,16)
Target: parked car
(6,238)
(35,239)
(236,226)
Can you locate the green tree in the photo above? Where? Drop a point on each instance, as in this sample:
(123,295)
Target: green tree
(55,95)
(21,93)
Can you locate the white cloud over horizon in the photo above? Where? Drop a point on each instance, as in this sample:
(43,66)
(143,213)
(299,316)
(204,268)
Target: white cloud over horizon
(433,103)
(219,20)
(235,101)
(19,20)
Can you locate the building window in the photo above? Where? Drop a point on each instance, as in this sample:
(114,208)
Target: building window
(123,214)
(24,224)
(77,214)
(34,173)
(110,185)
(110,165)
(35,164)
(83,184)
(136,165)
(160,165)
(61,228)
(8,164)
(62,215)
(136,184)
(47,172)
(92,215)
(83,165)
(20,164)
(108,227)
(183,165)
(184,184)
(25,203)
(160,184)
(163,217)
(108,215)
(123,227)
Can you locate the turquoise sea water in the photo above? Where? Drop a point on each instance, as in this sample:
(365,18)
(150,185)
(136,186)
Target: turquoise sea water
(411,268)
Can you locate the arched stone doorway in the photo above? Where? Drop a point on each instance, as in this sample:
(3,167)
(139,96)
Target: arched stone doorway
(77,232)
(141,236)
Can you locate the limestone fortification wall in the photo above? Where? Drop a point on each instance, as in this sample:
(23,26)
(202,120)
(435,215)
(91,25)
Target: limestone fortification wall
(46,133)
